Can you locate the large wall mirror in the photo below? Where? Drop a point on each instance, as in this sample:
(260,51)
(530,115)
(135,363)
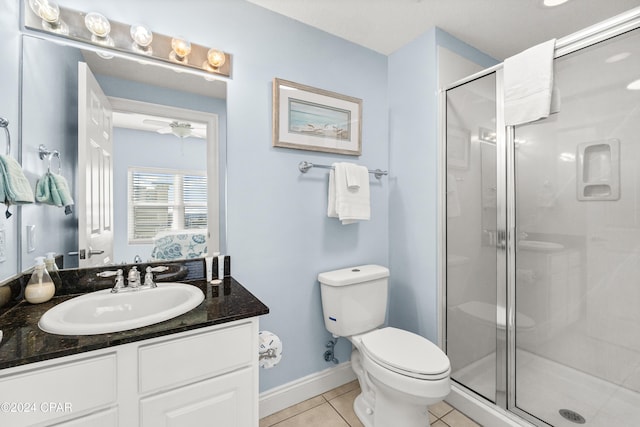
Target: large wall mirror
(142,147)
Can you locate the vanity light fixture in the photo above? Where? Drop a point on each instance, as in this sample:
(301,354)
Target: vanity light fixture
(99,27)
(181,48)
(49,12)
(117,38)
(215,59)
(142,38)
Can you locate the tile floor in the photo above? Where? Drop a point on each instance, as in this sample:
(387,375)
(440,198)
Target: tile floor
(335,409)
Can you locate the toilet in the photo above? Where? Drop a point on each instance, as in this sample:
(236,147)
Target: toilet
(400,373)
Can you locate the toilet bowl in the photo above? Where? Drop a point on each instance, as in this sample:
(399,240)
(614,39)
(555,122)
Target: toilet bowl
(400,373)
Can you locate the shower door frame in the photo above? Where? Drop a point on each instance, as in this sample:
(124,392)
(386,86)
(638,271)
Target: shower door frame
(505,398)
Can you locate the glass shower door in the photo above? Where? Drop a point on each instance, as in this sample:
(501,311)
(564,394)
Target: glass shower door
(471,234)
(577,290)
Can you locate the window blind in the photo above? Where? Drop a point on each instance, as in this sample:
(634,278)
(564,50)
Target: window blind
(163,200)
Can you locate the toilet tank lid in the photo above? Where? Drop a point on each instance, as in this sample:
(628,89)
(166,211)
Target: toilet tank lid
(351,275)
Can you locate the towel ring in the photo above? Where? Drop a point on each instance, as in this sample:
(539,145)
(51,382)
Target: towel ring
(4,123)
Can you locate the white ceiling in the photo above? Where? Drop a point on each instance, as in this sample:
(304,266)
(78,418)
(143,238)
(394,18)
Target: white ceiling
(500,28)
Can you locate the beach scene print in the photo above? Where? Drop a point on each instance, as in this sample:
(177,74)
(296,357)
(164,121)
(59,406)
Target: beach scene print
(319,120)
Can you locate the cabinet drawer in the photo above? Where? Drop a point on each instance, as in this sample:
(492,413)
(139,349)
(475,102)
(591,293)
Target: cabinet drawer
(50,393)
(108,418)
(226,401)
(199,356)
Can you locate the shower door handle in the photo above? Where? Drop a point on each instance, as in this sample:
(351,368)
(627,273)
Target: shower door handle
(501,241)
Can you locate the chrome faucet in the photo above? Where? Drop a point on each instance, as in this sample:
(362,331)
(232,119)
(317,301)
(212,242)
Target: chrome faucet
(133,278)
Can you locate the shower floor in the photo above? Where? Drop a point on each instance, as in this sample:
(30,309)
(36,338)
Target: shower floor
(544,387)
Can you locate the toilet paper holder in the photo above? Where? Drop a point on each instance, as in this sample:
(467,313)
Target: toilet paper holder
(269,350)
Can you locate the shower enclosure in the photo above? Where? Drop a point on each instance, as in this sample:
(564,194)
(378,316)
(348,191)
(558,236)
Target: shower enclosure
(541,310)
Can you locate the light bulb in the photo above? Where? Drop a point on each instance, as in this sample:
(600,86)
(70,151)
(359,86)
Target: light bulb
(97,24)
(180,46)
(141,35)
(216,58)
(181,49)
(48,11)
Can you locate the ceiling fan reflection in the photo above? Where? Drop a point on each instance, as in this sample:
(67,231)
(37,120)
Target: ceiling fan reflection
(178,128)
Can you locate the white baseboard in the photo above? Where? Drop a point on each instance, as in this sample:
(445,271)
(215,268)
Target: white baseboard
(278,398)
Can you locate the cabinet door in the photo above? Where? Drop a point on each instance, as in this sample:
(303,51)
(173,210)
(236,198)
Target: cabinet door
(108,418)
(54,392)
(225,401)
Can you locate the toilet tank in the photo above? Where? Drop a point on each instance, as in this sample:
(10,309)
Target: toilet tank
(354,299)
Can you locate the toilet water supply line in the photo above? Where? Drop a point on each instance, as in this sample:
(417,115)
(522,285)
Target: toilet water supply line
(329,355)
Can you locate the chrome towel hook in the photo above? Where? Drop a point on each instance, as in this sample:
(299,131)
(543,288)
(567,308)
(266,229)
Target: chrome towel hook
(49,154)
(4,123)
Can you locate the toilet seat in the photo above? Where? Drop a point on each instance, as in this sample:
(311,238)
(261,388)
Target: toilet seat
(405,353)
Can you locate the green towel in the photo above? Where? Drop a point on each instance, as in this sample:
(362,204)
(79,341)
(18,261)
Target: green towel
(52,189)
(14,186)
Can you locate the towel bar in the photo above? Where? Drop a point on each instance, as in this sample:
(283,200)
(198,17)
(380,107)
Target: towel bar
(4,123)
(305,166)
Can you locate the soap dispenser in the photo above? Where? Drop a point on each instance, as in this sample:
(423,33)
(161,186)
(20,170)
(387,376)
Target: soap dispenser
(52,269)
(40,287)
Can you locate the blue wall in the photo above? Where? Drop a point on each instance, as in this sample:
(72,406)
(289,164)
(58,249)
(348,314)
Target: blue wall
(50,106)
(278,234)
(413,195)
(9,109)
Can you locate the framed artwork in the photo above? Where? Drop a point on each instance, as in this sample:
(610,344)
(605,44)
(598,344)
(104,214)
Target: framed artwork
(458,141)
(308,118)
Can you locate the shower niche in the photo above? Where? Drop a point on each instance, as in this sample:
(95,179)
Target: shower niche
(598,174)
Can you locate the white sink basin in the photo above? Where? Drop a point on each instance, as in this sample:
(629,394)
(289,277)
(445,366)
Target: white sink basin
(102,312)
(538,246)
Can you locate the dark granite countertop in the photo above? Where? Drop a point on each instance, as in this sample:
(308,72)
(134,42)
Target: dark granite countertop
(24,342)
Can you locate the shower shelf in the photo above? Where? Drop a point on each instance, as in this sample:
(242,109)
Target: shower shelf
(598,170)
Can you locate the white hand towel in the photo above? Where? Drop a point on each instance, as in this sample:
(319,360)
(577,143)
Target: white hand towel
(528,84)
(354,175)
(352,204)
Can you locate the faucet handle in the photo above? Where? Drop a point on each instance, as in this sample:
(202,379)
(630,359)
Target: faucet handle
(148,278)
(109,273)
(158,269)
(119,281)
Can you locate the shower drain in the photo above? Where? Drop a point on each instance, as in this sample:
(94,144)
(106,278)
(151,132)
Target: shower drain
(572,416)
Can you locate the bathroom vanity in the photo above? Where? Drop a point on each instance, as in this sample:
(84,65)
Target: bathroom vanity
(196,369)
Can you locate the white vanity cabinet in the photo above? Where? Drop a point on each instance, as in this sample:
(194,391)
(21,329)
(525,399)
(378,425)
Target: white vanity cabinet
(202,377)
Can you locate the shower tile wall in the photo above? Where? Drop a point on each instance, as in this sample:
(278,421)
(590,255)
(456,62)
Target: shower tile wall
(580,288)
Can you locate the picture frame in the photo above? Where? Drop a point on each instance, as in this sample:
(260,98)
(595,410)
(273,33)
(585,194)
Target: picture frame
(458,142)
(308,118)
